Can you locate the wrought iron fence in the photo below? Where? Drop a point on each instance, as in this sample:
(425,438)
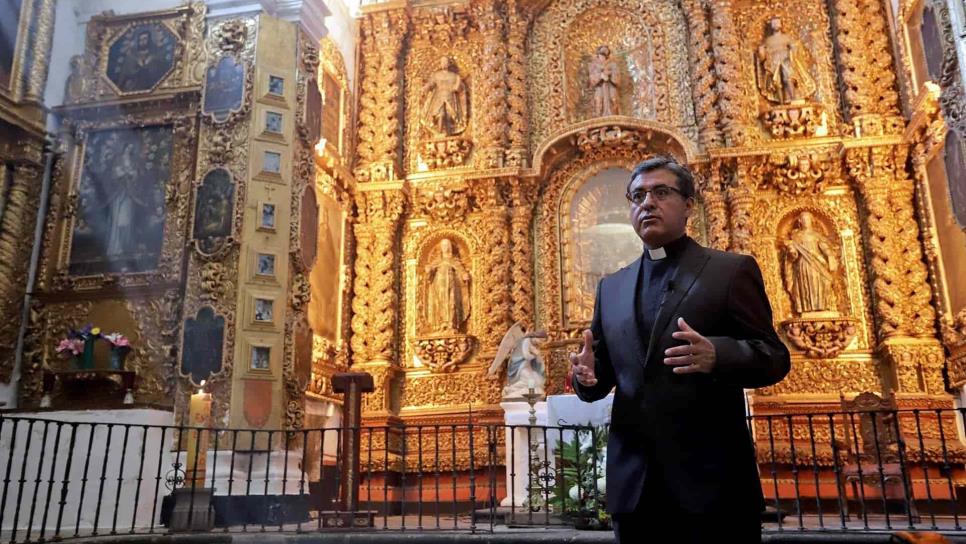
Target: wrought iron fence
(840,472)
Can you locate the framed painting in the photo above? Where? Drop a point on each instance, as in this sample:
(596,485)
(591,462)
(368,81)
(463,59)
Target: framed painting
(215,206)
(326,308)
(119,223)
(308,227)
(202,345)
(224,89)
(9,34)
(141,57)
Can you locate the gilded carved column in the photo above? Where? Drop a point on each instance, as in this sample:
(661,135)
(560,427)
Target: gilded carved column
(741,199)
(375,341)
(866,66)
(519,22)
(16,230)
(491,135)
(904,314)
(522,198)
(731,101)
(44,17)
(375,291)
(383,34)
(702,72)
(715,208)
(494,219)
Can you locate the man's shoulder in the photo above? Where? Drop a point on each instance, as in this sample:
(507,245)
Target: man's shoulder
(631,268)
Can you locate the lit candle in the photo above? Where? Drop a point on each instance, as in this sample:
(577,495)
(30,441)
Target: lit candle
(531,384)
(199,417)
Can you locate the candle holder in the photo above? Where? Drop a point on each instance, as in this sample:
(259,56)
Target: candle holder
(540,475)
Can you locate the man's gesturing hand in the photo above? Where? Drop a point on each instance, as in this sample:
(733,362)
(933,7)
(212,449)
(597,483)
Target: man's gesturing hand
(697,356)
(582,363)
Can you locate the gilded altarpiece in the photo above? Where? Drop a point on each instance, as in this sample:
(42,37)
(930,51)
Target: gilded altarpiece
(788,113)
(117,230)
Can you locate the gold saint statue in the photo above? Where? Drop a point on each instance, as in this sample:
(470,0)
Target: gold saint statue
(444,107)
(781,67)
(810,266)
(604,78)
(447,292)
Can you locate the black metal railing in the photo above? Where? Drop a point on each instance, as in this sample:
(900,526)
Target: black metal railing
(838,471)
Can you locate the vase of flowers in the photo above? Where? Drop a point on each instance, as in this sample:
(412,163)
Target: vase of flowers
(120,347)
(79,345)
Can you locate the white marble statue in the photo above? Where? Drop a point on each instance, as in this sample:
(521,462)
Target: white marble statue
(526,368)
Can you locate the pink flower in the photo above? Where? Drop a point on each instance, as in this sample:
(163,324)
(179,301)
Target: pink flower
(117,340)
(73,345)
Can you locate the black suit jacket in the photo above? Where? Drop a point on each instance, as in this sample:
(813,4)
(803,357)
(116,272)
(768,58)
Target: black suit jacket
(689,429)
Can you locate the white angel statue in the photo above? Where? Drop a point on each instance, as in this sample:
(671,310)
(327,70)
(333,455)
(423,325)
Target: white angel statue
(526,368)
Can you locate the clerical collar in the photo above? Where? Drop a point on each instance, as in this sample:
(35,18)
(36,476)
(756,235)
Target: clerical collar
(672,249)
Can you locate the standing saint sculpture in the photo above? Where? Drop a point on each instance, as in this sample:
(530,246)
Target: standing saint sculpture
(445,104)
(447,292)
(781,67)
(810,266)
(605,79)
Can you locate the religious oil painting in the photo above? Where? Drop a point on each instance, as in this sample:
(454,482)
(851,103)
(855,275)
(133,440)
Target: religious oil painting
(273,122)
(261,358)
(309,227)
(326,275)
(276,85)
(265,264)
(141,57)
(955,159)
(119,226)
(214,210)
(313,111)
(332,111)
(201,350)
(272,162)
(264,310)
(600,240)
(267,216)
(9,28)
(224,88)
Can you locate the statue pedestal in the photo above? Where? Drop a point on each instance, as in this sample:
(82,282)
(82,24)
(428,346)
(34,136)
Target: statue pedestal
(517,419)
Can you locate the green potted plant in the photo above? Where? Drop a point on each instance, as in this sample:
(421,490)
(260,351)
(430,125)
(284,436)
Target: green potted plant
(580,492)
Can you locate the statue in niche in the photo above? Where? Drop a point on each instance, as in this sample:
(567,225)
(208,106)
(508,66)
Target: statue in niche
(781,67)
(447,291)
(445,104)
(526,368)
(604,76)
(809,268)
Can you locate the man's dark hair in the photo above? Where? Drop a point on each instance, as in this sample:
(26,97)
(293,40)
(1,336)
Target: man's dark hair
(669,163)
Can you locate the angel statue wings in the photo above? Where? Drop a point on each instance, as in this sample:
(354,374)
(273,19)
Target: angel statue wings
(526,368)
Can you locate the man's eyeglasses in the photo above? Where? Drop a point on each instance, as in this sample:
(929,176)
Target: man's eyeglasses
(660,192)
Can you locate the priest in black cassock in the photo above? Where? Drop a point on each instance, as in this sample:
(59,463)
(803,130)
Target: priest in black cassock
(680,333)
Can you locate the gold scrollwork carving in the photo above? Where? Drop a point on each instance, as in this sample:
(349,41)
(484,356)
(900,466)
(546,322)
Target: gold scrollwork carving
(820,338)
(444,354)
